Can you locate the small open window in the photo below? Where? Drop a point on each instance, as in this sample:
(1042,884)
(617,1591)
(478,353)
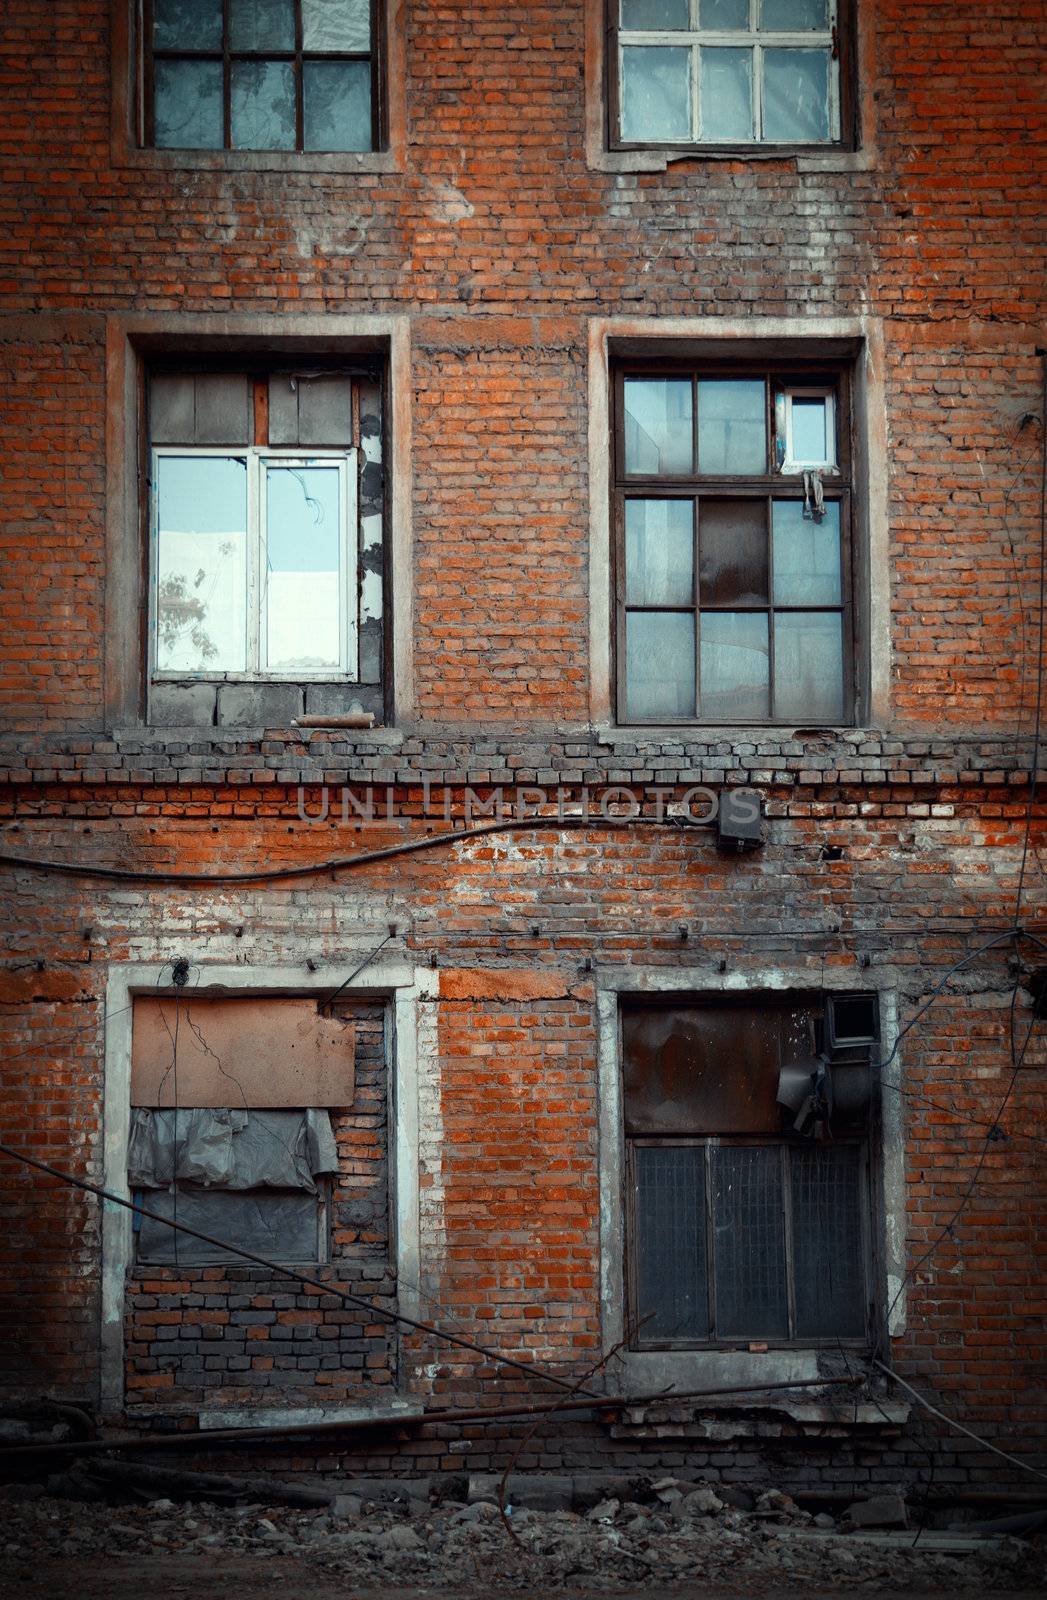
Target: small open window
(805,430)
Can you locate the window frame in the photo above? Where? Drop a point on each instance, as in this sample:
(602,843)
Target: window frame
(258,456)
(842,87)
(145,99)
(795,373)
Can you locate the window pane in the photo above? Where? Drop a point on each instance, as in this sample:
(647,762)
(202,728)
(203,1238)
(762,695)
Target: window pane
(342,25)
(280,1225)
(659,664)
(656,94)
(187,108)
(734,666)
(187,24)
(655,14)
(732,425)
(796,95)
(301,583)
(659,425)
(201,590)
(828,1255)
(808,667)
(732,544)
(749,1243)
(726,94)
(263,105)
(671,1275)
(794,16)
(806,555)
(261,24)
(724,14)
(812,432)
(659,552)
(337,105)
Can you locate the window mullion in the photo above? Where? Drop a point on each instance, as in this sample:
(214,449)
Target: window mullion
(227,80)
(299,82)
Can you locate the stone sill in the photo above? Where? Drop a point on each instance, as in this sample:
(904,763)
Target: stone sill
(656,161)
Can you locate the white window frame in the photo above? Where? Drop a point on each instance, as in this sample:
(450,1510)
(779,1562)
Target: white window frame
(258,458)
(791,463)
(752,39)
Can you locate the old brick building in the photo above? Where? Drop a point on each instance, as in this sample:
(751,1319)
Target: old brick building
(414,409)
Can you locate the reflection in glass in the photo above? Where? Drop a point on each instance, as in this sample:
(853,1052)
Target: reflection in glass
(659,552)
(261,24)
(732,425)
(734,666)
(793,16)
(187,105)
(337,109)
(724,15)
(659,424)
(656,94)
(796,95)
(732,544)
(187,24)
(342,25)
(659,664)
(655,14)
(806,555)
(808,667)
(726,94)
(201,564)
(262,105)
(301,580)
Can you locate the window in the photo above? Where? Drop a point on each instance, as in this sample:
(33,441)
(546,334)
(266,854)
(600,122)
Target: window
(261,75)
(732,516)
(726,73)
(266,522)
(748,1126)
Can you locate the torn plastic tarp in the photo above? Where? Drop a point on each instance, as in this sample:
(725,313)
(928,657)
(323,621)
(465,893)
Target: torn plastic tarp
(232,1150)
(281,1225)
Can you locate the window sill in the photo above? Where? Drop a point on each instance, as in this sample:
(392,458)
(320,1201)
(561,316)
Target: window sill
(617,733)
(223,161)
(655,159)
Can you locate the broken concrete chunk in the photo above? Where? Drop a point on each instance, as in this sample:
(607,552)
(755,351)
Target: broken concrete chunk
(606,1511)
(879,1511)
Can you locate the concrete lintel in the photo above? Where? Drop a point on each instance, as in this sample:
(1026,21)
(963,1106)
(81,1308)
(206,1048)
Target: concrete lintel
(303,1416)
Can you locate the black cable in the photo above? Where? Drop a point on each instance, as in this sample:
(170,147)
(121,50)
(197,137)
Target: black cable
(1034,764)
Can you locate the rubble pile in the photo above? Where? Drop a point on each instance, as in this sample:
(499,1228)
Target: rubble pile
(395,1533)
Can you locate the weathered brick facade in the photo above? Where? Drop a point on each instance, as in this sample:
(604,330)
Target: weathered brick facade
(505,254)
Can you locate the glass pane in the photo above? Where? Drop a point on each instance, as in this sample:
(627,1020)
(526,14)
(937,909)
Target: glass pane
(659,552)
(749,1243)
(302,587)
(732,425)
(796,96)
(671,1275)
(187,24)
(659,425)
(726,94)
(725,15)
(793,16)
(263,105)
(187,105)
(734,666)
(808,667)
(337,105)
(659,664)
(812,444)
(201,577)
(342,25)
(655,14)
(656,94)
(732,545)
(806,555)
(261,24)
(828,1255)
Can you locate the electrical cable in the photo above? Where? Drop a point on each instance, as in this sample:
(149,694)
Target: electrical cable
(951,1422)
(1034,764)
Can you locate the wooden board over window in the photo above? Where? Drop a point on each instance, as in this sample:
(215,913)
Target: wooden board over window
(262,1053)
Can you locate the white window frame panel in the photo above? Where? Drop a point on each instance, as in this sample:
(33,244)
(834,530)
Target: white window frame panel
(754,40)
(258,458)
(791,463)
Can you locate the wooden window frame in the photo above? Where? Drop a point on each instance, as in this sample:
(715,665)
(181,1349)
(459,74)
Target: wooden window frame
(800,373)
(843,96)
(146,101)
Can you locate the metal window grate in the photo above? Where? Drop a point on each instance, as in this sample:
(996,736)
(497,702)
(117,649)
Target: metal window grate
(828,1253)
(671,1272)
(749,1233)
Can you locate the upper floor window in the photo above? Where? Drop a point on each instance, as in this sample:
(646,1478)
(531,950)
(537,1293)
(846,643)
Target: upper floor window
(732,515)
(726,72)
(261,75)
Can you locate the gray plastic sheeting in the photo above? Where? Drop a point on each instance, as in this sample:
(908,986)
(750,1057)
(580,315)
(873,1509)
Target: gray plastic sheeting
(230,1149)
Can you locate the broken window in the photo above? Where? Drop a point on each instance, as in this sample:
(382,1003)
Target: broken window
(266,518)
(261,75)
(726,73)
(748,1126)
(732,545)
